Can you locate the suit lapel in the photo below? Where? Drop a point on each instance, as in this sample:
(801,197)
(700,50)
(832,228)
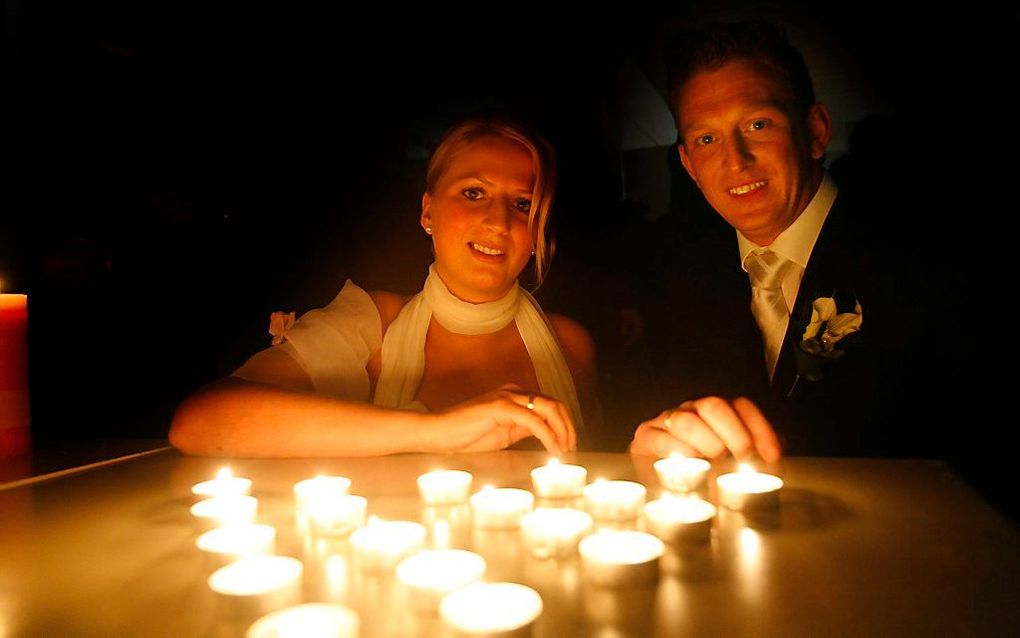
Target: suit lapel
(830,272)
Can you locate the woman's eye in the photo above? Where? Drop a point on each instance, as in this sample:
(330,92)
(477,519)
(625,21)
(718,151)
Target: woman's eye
(472,193)
(758,125)
(523,205)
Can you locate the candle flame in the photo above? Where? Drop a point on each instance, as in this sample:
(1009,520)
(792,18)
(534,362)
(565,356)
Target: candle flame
(374,520)
(224,473)
(553,462)
(488,488)
(744,468)
(677,456)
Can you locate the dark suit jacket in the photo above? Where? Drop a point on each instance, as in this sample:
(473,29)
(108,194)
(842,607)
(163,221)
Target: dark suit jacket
(871,401)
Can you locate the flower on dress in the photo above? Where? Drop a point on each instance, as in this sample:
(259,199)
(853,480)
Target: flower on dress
(279,323)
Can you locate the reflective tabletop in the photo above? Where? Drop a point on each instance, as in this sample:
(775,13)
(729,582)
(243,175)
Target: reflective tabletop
(855,547)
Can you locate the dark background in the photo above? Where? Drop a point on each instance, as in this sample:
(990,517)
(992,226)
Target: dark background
(173,172)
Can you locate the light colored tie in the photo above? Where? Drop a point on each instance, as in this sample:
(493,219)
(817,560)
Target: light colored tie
(767,271)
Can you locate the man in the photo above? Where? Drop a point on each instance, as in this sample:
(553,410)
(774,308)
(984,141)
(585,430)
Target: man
(812,313)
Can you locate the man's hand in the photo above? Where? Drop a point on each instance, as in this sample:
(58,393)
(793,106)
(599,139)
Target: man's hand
(709,427)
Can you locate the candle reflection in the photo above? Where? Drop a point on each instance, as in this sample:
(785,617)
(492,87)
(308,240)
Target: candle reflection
(749,563)
(448,527)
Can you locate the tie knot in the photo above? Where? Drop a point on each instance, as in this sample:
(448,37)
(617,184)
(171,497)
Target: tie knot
(766,269)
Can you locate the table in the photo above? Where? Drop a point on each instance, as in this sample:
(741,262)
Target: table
(857,547)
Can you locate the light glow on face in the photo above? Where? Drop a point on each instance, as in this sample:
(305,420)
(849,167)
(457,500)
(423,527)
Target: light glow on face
(478,218)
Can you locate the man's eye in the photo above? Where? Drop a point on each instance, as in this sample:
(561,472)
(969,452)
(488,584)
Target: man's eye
(704,140)
(523,205)
(758,125)
(472,193)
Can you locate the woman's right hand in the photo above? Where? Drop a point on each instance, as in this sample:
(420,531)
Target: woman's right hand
(499,419)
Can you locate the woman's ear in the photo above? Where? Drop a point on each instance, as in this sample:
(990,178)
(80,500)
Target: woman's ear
(426,213)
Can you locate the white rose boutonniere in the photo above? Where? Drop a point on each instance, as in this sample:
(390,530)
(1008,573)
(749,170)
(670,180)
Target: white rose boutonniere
(820,343)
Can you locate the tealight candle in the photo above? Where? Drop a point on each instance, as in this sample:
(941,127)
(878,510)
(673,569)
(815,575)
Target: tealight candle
(227,544)
(681,473)
(314,620)
(678,519)
(747,489)
(225,484)
(257,585)
(308,489)
(431,574)
(444,487)
(500,508)
(614,500)
(549,532)
(615,557)
(336,515)
(225,510)
(490,608)
(382,544)
(557,480)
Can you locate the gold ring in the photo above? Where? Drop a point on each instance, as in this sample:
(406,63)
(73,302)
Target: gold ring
(531,402)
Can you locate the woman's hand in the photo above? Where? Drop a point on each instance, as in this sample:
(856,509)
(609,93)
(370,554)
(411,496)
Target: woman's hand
(499,419)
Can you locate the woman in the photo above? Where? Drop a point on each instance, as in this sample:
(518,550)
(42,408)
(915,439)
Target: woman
(468,364)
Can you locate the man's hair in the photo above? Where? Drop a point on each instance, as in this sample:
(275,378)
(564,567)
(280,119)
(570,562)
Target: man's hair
(712,47)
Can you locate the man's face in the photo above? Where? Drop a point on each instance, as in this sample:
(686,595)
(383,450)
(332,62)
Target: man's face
(753,157)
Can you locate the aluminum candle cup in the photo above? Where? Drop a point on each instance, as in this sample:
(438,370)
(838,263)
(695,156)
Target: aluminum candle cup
(681,473)
(746,489)
(491,609)
(336,515)
(257,585)
(614,500)
(380,545)
(432,574)
(556,480)
(311,620)
(225,510)
(444,487)
(500,508)
(551,533)
(224,545)
(225,484)
(675,520)
(613,557)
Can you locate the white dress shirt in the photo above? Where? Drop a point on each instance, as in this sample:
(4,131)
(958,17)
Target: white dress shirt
(797,241)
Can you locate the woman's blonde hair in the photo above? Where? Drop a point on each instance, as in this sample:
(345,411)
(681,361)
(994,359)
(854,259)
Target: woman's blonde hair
(543,157)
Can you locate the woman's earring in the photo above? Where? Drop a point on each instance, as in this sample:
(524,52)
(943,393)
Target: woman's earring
(428,231)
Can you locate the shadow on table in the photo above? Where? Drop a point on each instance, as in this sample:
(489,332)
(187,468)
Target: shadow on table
(798,510)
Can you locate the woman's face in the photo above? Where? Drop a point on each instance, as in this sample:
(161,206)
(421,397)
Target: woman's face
(478,214)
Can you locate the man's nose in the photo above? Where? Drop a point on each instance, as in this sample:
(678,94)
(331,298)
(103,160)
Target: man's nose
(737,153)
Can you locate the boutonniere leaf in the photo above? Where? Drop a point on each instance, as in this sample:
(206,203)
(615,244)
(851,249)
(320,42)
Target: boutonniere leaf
(820,342)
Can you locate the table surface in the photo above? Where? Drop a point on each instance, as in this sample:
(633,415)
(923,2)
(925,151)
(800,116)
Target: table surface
(856,547)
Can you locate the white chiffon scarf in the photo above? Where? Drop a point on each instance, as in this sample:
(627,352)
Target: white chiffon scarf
(403,348)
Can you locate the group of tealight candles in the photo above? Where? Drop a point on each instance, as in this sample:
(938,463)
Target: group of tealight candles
(255,582)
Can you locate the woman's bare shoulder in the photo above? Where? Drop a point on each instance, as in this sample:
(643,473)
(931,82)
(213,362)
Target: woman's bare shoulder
(388,304)
(577,342)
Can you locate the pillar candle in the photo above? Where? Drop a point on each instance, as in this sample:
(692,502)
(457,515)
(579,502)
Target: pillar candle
(14,408)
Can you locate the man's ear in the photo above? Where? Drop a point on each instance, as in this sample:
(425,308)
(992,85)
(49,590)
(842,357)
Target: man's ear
(819,123)
(426,213)
(686,161)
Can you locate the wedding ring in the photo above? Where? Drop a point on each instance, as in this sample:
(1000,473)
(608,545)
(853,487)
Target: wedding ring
(531,402)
